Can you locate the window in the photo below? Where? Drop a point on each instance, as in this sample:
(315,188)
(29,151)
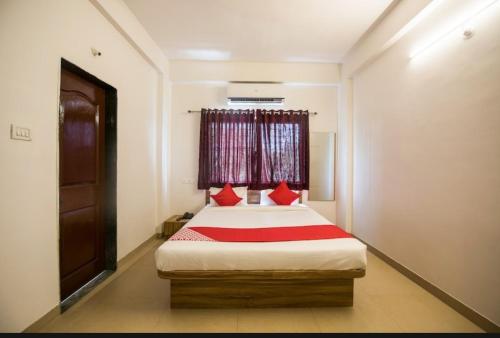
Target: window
(255,148)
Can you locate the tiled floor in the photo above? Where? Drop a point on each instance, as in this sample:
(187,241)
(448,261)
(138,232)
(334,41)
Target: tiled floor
(137,301)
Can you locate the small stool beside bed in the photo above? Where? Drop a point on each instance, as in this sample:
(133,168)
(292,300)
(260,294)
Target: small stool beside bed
(207,273)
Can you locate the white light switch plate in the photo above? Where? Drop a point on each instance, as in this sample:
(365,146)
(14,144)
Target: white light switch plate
(20,133)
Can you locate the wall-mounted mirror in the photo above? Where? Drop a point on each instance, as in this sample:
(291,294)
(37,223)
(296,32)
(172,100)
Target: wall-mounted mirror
(322,166)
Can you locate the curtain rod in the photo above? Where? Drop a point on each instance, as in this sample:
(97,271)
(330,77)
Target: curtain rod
(293,111)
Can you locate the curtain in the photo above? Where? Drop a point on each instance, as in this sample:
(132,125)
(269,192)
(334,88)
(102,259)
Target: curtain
(227,147)
(252,148)
(282,149)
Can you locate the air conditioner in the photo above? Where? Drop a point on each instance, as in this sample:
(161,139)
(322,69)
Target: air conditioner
(255,93)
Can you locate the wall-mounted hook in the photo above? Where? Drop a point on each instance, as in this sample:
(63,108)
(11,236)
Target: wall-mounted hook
(95,52)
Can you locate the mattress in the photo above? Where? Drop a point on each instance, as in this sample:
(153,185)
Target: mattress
(324,254)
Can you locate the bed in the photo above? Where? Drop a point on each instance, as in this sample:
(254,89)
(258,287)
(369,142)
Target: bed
(303,273)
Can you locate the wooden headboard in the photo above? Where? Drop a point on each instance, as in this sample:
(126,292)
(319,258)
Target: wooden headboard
(253,196)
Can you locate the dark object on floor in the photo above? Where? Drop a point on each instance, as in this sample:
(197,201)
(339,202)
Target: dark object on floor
(187,215)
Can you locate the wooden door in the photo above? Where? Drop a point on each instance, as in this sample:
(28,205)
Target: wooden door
(81,182)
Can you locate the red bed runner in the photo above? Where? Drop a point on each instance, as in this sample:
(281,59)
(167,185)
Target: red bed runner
(273,234)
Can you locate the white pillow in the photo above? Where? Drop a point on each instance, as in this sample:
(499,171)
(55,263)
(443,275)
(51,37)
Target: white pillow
(266,200)
(240,191)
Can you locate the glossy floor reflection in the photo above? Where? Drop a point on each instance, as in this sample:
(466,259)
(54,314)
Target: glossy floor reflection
(137,301)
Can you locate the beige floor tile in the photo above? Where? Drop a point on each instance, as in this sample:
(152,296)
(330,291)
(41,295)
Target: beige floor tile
(138,283)
(416,315)
(381,279)
(364,316)
(138,301)
(277,320)
(455,322)
(197,320)
(64,322)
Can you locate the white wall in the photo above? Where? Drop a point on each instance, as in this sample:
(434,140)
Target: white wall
(34,35)
(395,23)
(427,156)
(312,87)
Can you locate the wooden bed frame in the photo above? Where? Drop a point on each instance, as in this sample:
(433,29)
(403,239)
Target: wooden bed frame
(264,288)
(260,288)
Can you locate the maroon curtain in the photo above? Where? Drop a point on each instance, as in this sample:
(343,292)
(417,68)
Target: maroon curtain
(227,145)
(251,148)
(282,149)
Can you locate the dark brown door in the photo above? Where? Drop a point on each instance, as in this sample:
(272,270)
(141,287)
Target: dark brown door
(81,182)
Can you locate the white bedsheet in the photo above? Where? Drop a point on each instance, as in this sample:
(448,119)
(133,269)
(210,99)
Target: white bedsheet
(326,254)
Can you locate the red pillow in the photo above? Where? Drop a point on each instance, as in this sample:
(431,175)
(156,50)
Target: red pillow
(282,195)
(226,197)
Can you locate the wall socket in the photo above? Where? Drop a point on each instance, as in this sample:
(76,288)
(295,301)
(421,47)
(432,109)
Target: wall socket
(187,181)
(20,133)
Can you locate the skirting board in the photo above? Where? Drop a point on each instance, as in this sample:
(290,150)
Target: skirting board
(123,264)
(481,321)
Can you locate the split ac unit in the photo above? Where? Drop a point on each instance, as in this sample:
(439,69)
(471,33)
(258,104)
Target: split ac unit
(255,93)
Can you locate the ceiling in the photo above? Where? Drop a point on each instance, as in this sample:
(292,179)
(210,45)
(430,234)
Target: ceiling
(257,30)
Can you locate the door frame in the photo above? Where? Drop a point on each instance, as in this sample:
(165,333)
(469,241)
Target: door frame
(110,187)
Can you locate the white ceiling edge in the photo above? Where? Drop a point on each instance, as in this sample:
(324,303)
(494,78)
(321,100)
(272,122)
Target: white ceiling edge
(222,83)
(200,70)
(288,60)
